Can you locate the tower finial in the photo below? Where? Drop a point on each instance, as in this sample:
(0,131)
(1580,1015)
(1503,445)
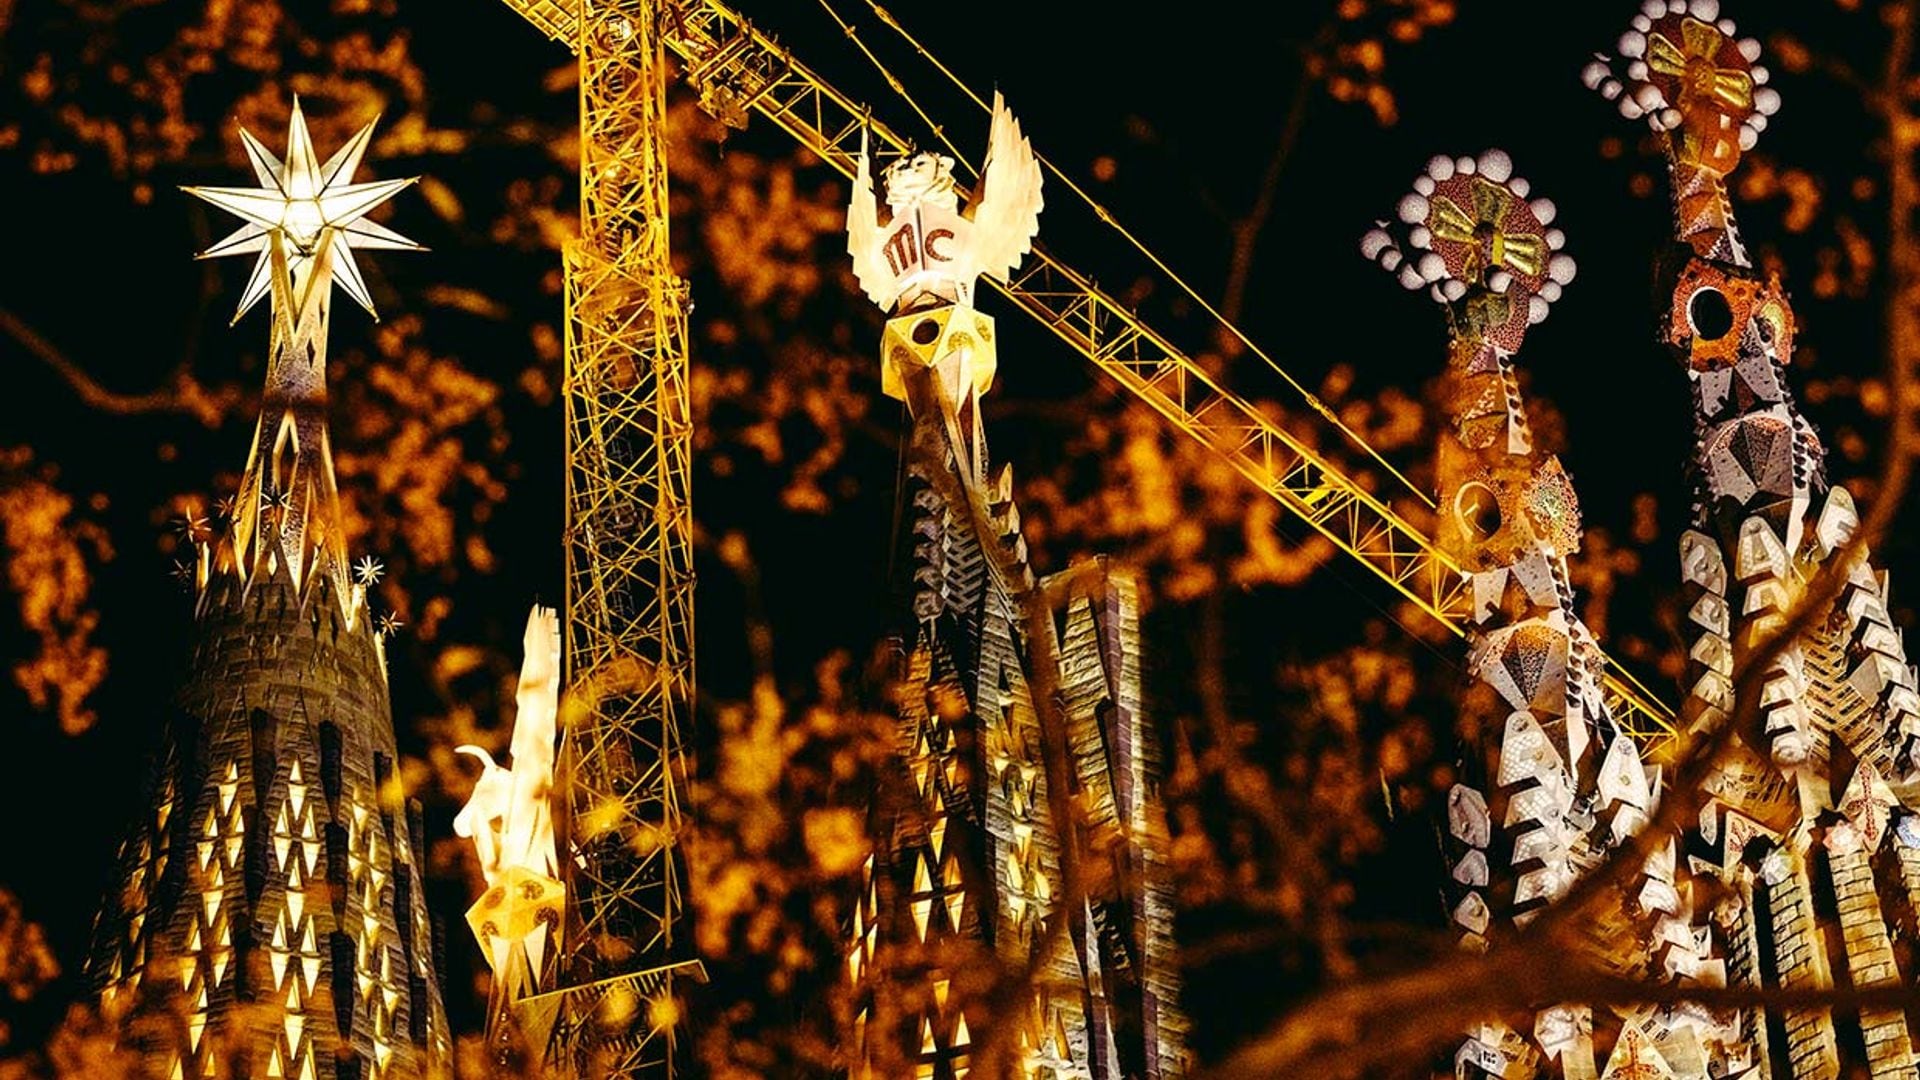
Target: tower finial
(1476,243)
(920,258)
(1686,70)
(302,224)
(302,204)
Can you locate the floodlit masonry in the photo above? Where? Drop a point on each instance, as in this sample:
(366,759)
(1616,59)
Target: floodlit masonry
(1797,863)
(1024,747)
(269,917)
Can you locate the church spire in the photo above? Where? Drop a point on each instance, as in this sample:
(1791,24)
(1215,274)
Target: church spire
(268,917)
(302,225)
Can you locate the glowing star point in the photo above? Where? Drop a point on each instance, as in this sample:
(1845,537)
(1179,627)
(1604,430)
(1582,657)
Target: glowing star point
(305,207)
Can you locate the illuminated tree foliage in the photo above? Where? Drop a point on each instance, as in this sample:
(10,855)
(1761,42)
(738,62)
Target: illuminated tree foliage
(1312,731)
(48,548)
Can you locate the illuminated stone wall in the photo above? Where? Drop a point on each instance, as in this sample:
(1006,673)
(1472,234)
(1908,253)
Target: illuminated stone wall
(270,914)
(968,844)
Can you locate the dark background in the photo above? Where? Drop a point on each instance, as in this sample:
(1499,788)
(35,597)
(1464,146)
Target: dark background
(1187,101)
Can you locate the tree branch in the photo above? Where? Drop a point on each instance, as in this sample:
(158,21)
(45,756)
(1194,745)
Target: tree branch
(1246,230)
(1381,1022)
(186,395)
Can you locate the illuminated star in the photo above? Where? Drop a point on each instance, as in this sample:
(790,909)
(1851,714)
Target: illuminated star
(223,508)
(304,203)
(390,624)
(368,571)
(183,573)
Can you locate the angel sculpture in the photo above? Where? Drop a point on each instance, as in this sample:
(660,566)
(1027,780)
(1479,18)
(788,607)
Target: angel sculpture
(924,250)
(507,816)
(511,825)
(483,820)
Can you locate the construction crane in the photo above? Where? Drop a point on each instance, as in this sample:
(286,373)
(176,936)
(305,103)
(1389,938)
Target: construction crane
(738,70)
(611,1001)
(629,570)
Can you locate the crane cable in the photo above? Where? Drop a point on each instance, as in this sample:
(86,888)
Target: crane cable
(1106,216)
(898,87)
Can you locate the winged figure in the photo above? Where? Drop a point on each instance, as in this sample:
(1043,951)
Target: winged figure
(484,817)
(507,816)
(923,249)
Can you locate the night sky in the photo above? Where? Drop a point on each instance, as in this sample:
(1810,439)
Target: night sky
(1185,100)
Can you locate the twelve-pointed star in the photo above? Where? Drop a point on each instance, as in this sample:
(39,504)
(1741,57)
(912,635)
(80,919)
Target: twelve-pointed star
(301,200)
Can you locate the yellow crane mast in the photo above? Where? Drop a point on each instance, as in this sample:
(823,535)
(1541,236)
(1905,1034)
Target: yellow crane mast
(629,564)
(737,70)
(613,998)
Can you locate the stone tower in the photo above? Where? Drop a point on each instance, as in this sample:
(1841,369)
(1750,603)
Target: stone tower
(1808,829)
(1024,745)
(1554,786)
(1793,866)
(269,919)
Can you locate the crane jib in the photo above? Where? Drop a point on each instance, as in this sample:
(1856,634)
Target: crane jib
(735,68)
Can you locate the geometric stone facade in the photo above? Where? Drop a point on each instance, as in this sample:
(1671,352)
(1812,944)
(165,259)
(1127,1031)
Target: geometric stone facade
(1140,1028)
(1553,786)
(1802,831)
(271,917)
(967,856)
(1797,863)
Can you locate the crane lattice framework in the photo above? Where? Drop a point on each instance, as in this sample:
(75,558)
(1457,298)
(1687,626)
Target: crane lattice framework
(737,70)
(629,567)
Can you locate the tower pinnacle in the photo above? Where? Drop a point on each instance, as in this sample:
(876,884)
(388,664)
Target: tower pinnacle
(919,260)
(306,208)
(268,918)
(302,224)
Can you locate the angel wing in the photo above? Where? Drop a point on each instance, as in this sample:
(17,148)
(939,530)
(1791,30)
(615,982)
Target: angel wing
(1006,201)
(539,690)
(863,236)
(528,840)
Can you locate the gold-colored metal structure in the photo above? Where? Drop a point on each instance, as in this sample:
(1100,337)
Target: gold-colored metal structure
(629,562)
(736,68)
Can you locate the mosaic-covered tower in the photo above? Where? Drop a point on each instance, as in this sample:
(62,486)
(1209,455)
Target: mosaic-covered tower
(1021,726)
(1798,866)
(269,919)
(1552,786)
(1807,830)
